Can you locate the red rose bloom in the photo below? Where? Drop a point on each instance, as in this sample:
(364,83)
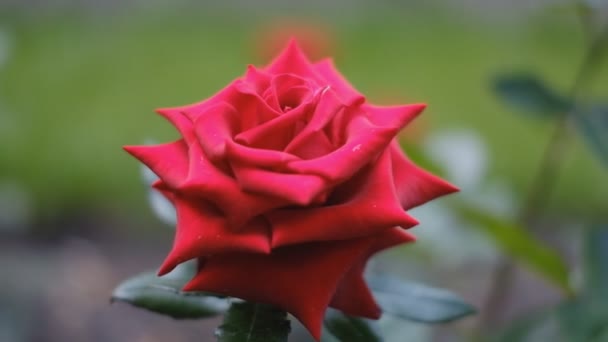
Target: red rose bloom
(285,183)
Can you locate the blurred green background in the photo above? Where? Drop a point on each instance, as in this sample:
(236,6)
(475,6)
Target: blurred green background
(80,79)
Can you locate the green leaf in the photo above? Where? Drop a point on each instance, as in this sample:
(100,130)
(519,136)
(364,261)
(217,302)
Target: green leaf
(517,242)
(163,295)
(592,121)
(417,302)
(251,322)
(352,329)
(528,94)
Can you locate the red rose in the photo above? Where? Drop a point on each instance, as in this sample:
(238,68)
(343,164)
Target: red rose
(285,183)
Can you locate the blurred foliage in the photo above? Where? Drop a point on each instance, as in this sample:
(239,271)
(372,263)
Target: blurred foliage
(516,241)
(529,94)
(582,318)
(418,302)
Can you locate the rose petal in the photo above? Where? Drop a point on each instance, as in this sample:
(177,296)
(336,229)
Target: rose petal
(352,296)
(168,161)
(367,205)
(275,134)
(345,90)
(393,116)
(226,95)
(292,61)
(365,140)
(327,107)
(290,90)
(317,145)
(295,189)
(207,181)
(349,158)
(258,80)
(215,127)
(181,122)
(261,158)
(414,185)
(202,231)
(252,107)
(300,279)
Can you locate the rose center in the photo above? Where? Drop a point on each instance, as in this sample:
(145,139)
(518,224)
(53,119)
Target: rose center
(287,92)
(292,98)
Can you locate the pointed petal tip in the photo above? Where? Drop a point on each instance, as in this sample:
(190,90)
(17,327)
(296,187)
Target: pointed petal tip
(161,111)
(164,269)
(314,328)
(292,43)
(291,52)
(326,61)
(408,237)
(165,112)
(416,108)
(134,150)
(169,264)
(190,286)
(411,223)
(446,188)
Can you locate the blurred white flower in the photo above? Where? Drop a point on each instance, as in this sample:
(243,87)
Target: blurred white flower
(461,153)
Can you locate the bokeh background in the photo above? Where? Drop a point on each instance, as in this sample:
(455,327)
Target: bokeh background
(81,78)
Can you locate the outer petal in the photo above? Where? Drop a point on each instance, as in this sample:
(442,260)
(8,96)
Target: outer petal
(168,161)
(215,128)
(415,186)
(228,94)
(364,206)
(301,279)
(292,61)
(202,231)
(353,297)
(393,116)
(180,121)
